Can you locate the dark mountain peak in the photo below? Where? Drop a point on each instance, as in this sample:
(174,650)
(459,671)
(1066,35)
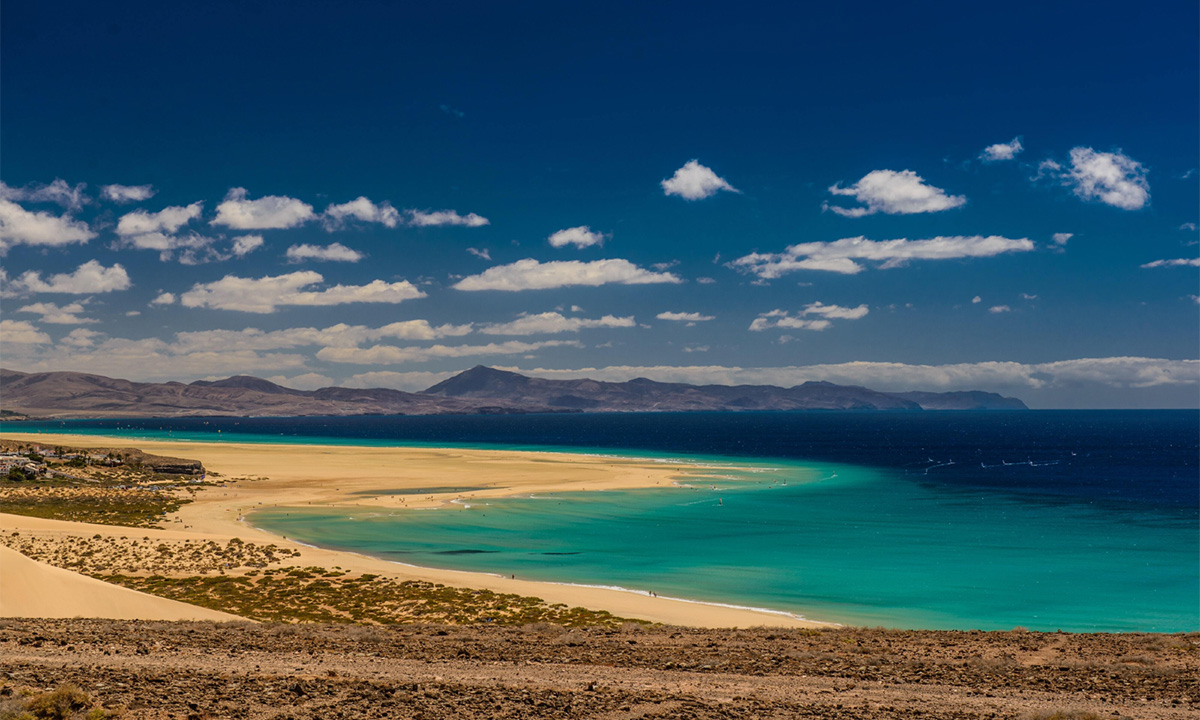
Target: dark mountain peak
(479,379)
(246,382)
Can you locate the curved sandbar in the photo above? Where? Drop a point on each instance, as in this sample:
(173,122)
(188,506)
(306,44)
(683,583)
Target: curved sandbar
(344,476)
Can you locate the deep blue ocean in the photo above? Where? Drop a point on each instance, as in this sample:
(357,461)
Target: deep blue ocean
(1072,520)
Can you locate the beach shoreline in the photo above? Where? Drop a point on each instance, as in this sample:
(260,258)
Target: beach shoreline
(260,475)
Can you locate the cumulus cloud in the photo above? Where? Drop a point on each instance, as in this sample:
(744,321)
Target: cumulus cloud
(246,244)
(1176,262)
(841,256)
(363,210)
(1002,151)
(165,298)
(814,316)
(127,193)
(266,294)
(976,300)
(480,253)
(894,193)
(20,332)
(1111,178)
(340,335)
(580,237)
(19,226)
(55,315)
(687,317)
(694,181)
(189,248)
(1062,238)
(150,359)
(270,212)
(390,354)
(89,278)
(57,192)
(422,218)
(167,220)
(549,323)
(1188,227)
(335,252)
(529,274)
(999,309)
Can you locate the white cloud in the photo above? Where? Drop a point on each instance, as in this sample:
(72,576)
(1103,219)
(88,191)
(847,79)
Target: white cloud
(334,252)
(580,237)
(694,181)
(529,274)
(246,244)
(307,381)
(801,321)
(688,317)
(998,376)
(90,277)
(1188,227)
(840,256)
(340,335)
(1112,178)
(20,332)
(58,192)
(695,348)
(1062,238)
(1002,151)
(19,226)
(266,294)
(999,309)
(127,193)
(445,217)
(389,354)
(705,280)
(551,322)
(55,315)
(150,359)
(894,193)
(976,300)
(408,381)
(1176,262)
(361,209)
(1027,296)
(165,298)
(192,248)
(81,338)
(270,212)
(167,220)
(480,253)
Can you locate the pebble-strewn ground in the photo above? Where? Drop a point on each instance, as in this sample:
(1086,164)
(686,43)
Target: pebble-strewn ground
(203,670)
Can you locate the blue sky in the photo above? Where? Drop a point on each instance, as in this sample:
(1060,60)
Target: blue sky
(940,196)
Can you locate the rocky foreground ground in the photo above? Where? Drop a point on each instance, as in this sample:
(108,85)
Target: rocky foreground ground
(245,670)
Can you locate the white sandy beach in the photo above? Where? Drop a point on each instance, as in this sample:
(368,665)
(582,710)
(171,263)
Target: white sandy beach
(344,476)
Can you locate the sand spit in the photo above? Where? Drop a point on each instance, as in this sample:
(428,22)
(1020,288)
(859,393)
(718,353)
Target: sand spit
(264,475)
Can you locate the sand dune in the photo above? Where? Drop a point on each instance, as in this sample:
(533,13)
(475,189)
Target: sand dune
(32,589)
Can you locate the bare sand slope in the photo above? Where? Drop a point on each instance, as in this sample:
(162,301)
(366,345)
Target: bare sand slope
(32,589)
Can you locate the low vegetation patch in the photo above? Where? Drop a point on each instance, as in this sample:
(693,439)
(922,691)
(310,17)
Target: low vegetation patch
(319,595)
(65,703)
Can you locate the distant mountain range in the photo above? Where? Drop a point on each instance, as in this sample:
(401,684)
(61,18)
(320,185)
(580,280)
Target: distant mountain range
(480,390)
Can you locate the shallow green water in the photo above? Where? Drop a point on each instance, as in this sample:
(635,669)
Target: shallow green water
(835,542)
